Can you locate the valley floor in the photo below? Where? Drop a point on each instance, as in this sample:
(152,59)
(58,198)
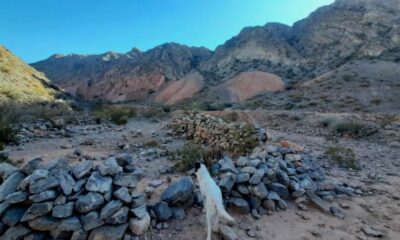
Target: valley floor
(379,176)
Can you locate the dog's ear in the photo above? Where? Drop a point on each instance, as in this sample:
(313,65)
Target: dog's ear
(197,166)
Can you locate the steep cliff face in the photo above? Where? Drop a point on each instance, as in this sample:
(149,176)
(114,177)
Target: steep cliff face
(330,37)
(21,83)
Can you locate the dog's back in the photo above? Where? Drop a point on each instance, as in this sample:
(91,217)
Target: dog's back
(212,193)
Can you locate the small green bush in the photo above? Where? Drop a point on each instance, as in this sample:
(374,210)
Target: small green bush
(152,143)
(7,134)
(344,157)
(119,115)
(188,155)
(249,141)
(231,117)
(349,127)
(153,112)
(376,101)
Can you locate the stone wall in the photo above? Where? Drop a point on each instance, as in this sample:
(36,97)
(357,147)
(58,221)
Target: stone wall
(230,137)
(59,200)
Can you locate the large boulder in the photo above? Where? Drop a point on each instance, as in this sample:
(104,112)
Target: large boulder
(126,180)
(10,185)
(37,210)
(82,169)
(6,170)
(67,183)
(16,233)
(89,202)
(179,191)
(140,226)
(162,211)
(91,221)
(110,208)
(110,167)
(43,185)
(108,232)
(13,215)
(98,183)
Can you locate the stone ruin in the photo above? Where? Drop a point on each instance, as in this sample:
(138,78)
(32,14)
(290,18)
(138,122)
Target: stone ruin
(229,137)
(59,200)
(267,179)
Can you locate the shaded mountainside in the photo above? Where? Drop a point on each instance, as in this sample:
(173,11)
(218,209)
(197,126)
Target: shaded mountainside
(131,76)
(328,39)
(359,86)
(21,83)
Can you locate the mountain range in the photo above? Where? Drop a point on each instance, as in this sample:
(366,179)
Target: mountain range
(341,39)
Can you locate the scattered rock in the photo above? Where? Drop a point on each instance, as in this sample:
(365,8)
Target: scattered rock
(227,233)
(162,211)
(239,204)
(371,232)
(140,226)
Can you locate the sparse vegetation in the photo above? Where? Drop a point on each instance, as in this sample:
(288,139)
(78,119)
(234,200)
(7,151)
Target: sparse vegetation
(344,127)
(188,155)
(344,157)
(231,116)
(247,143)
(7,133)
(154,112)
(152,143)
(376,101)
(117,114)
(192,152)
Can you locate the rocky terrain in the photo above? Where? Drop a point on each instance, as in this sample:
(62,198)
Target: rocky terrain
(330,39)
(101,181)
(298,125)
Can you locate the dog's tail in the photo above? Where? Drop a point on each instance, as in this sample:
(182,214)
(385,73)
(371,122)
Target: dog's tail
(222,212)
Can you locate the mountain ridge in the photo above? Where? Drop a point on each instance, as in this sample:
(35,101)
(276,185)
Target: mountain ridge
(328,38)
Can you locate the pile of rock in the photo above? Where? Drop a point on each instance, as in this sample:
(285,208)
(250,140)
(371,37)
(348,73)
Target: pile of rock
(78,201)
(263,182)
(229,137)
(42,129)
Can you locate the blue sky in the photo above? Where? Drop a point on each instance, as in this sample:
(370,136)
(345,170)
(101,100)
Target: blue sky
(36,29)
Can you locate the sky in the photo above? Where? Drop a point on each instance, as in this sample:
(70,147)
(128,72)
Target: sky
(36,29)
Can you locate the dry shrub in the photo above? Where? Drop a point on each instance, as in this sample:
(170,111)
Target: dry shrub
(344,157)
(231,117)
(192,152)
(118,114)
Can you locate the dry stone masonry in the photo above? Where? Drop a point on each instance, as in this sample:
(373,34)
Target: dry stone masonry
(229,137)
(81,201)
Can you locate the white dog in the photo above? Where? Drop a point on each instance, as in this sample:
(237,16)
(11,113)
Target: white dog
(212,199)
